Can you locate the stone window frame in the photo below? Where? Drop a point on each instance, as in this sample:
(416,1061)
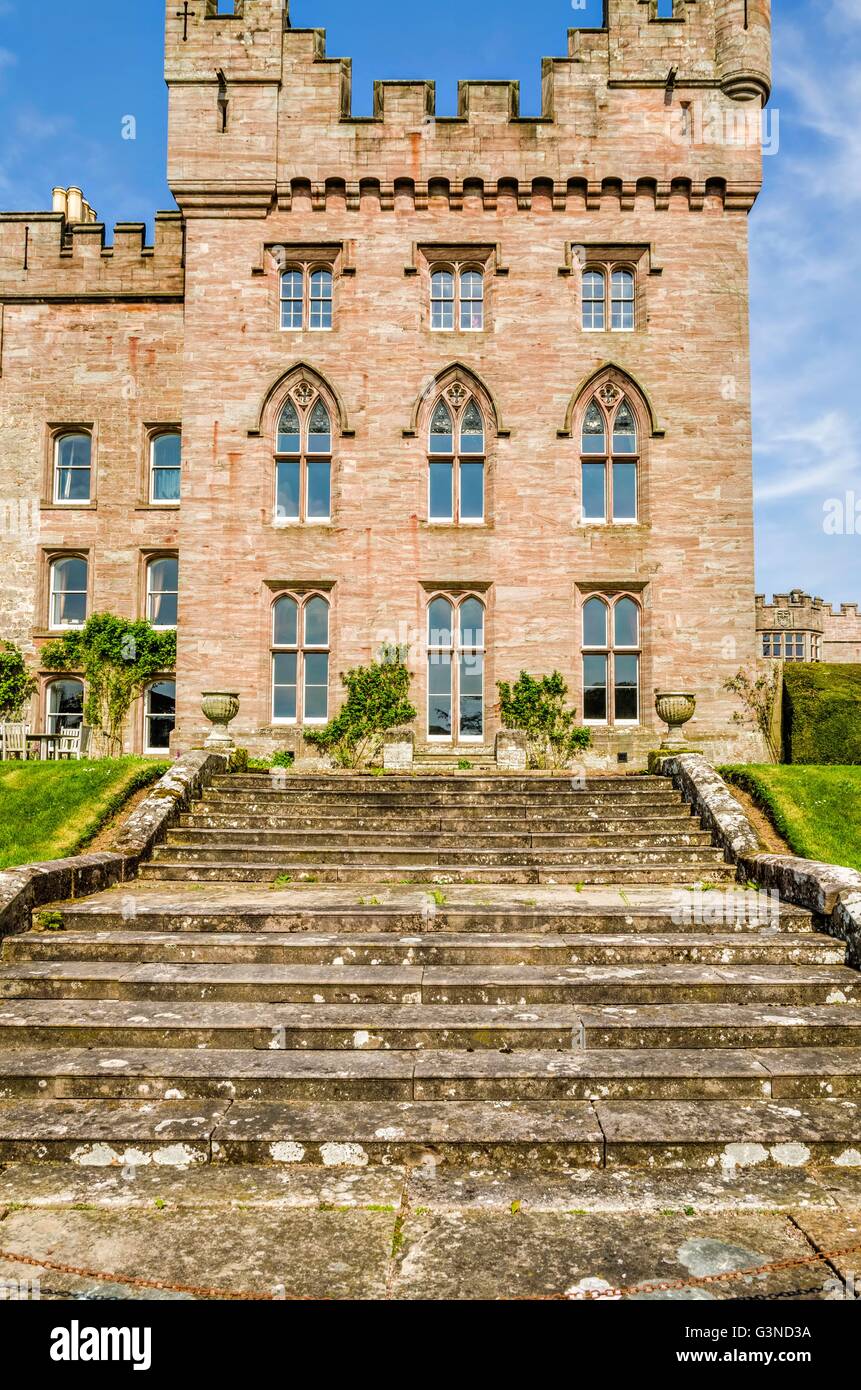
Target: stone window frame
(306,257)
(456,596)
(148,556)
(607,256)
(778,640)
(304,396)
(53,678)
(465,384)
(607,269)
(458,258)
(52,556)
(153,432)
(57,430)
(611,597)
(301,595)
(457,399)
(609,396)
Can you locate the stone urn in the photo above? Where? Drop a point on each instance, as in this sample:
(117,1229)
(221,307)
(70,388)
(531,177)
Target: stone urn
(220,706)
(675,708)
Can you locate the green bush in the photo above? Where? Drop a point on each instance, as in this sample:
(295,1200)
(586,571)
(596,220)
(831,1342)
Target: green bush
(536,706)
(16,683)
(822,713)
(377,700)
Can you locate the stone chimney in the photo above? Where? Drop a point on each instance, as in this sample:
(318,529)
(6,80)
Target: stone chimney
(73,205)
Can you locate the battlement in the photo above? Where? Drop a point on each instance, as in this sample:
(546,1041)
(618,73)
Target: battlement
(256,105)
(43,257)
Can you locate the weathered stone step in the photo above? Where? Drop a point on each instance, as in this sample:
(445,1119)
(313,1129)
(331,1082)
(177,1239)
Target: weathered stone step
(720,1025)
(463,984)
(213,851)
(499,840)
(255,909)
(720,1136)
(124,1023)
(652,803)
(182,1074)
(346,1134)
(534,783)
(682,874)
(440,948)
(454,822)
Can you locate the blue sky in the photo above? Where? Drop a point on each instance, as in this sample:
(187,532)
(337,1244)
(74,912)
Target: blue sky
(70,70)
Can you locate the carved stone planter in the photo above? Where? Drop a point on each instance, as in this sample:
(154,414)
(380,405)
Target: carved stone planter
(675,708)
(220,707)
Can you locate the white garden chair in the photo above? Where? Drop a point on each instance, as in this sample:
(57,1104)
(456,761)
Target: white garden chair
(70,742)
(13,741)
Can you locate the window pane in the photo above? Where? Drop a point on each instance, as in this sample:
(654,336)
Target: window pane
(472,430)
(439,693)
(471,695)
(285,622)
(471,491)
(624,492)
(595,687)
(291,299)
(161,714)
(165,484)
(471,299)
(316,685)
(593,299)
(442,299)
(441,430)
(623,299)
(440,623)
(594,492)
(595,623)
(73,468)
(316,623)
(163,583)
(319,430)
(288,430)
(69,589)
(287,490)
(626,697)
(440,507)
(626,623)
(471,623)
(318,491)
(284,685)
(65,706)
(624,431)
(321,299)
(167,451)
(594,431)
(74,451)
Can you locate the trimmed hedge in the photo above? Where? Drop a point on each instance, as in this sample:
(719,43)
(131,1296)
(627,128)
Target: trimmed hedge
(821,713)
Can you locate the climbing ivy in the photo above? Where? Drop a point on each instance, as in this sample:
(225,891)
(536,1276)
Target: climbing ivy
(117,659)
(16,683)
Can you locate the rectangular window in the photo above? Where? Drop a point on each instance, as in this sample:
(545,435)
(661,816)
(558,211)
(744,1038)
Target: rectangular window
(594,492)
(471,491)
(439,695)
(441,500)
(284,686)
(624,492)
(287,490)
(316,687)
(595,689)
(471,695)
(626,696)
(318,501)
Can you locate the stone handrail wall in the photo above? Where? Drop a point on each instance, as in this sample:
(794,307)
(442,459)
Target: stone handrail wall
(28,886)
(830,891)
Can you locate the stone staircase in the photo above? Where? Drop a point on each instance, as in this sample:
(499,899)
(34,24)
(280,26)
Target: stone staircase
(500,971)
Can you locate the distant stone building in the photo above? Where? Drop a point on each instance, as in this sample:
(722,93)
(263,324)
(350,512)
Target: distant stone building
(796,627)
(475,383)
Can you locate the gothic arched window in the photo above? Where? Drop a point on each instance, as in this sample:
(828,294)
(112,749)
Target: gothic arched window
(300,659)
(303,458)
(455,646)
(611,660)
(609,459)
(456,459)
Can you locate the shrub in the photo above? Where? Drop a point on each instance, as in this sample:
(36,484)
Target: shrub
(758,695)
(822,713)
(536,706)
(377,700)
(117,659)
(16,683)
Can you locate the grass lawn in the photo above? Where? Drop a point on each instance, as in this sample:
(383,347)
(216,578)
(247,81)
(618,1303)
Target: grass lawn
(817,809)
(53,809)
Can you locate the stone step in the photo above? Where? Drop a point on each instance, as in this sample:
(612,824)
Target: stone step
(302,840)
(439,948)
(463,984)
(214,851)
(534,783)
(369,803)
(184,1074)
(682,874)
(448,823)
(719,1136)
(253,909)
(373,1026)
(720,1025)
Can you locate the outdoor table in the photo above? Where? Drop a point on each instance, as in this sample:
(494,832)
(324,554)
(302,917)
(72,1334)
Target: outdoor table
(47,745)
